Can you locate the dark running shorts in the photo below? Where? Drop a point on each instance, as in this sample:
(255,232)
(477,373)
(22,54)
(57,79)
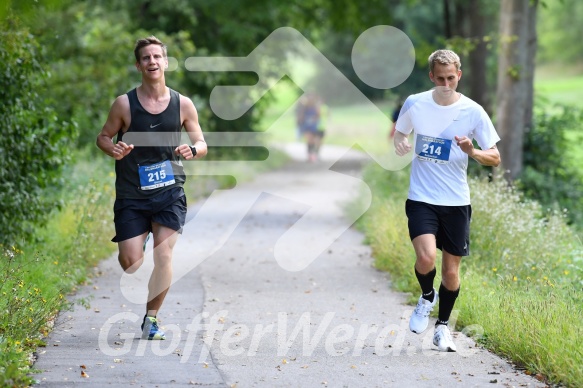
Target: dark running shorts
(133,217)
(449,224)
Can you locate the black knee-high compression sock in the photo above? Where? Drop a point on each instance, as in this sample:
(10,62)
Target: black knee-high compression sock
(446,301)
(426,283)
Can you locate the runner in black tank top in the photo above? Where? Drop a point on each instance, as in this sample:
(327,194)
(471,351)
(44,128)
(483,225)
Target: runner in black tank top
(149,174)
(127,183)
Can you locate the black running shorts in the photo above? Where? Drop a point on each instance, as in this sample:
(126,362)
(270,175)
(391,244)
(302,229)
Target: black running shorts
(133,217)
(449,224)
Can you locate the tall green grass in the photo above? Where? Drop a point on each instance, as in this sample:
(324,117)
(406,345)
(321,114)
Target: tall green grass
(522,282)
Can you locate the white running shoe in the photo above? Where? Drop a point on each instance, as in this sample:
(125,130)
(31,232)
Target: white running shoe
(420,317)
(442,339)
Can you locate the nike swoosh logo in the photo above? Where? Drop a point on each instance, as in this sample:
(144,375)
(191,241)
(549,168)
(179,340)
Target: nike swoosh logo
(154,126)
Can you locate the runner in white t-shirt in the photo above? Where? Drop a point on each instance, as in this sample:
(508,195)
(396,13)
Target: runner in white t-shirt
(444,124)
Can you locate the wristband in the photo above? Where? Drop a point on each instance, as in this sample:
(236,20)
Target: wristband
(193,150)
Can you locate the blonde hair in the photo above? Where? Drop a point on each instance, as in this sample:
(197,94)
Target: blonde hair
(141,43)
(444,57)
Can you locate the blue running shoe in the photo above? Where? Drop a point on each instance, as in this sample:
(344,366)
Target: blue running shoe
(151,331)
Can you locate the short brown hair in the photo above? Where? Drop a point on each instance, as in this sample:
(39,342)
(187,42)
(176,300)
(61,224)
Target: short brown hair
(444,57)
(141,43)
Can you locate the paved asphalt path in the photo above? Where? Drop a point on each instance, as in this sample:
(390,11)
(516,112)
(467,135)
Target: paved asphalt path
(273,289)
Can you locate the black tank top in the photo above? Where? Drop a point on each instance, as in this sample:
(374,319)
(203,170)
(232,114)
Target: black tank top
(165,126)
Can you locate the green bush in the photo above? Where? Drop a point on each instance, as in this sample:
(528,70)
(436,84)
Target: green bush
(34,142)
(550,176)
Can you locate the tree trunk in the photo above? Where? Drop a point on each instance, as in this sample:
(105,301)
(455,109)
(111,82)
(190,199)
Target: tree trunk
(514,82)
(447,29)
(532,46)
(478,85)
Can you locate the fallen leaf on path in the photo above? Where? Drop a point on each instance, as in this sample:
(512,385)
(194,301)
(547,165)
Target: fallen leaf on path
(83,366)
(83,374)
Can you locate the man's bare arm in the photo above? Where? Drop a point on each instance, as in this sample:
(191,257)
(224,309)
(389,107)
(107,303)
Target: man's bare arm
(114,123)
(401,142)
(189,117)
(489,157)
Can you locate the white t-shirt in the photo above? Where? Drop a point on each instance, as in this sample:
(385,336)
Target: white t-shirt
(439,168)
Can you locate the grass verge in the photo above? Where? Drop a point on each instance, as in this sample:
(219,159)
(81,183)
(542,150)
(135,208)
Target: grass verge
(38,275)
(522,283)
